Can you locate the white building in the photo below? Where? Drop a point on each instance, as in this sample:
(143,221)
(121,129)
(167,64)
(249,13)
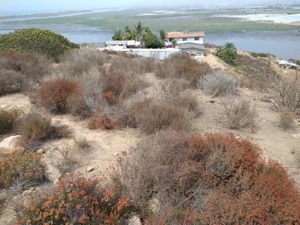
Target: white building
(189,42)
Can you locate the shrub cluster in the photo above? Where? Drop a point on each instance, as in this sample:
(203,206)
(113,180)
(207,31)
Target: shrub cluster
(36,40)
(219,84)
(21,167)
(240,114)
(228,53)
(77,201)
(182,66)
(207,179)
(35,127)
(54,94)
(289,95)
(21,70)
(152,116)
(287,119)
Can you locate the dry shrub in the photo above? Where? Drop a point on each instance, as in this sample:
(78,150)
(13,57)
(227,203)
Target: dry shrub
(214,178)
(172,88)
(112,87)
(155,115)
(257,74)
(219,84)
(79,61)
(7,121)
(91,83)
(10,81)
(23,167)
(69,161)
(189,103)
(287,119)
(239,114)
(182,66)
(133,84)
(82,143)
(34,126)
(289,95)
(102,121)
(76,200)
(32,66)
(54,94)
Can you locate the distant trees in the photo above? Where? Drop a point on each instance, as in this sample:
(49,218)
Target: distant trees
(141,33)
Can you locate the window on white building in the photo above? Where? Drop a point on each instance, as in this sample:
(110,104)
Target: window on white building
(184,39)
(197,38)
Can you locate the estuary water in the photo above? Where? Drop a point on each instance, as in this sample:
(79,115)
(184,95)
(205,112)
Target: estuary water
(283,44)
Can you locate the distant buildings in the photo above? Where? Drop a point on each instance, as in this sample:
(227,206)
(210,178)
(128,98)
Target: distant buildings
(188,42)
(192,43)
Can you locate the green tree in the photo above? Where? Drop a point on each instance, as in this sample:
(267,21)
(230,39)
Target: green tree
(150,40)
(162,35)
(228,53)
(139,30)
(117,36)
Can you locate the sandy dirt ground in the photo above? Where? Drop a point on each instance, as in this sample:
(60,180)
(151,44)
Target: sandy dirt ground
(108,146)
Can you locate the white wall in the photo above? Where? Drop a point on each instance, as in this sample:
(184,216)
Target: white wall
(190,40)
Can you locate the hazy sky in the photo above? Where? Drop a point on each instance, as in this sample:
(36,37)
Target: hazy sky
(44,5)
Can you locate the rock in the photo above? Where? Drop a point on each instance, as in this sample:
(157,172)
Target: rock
(8,216)
(90,169)
(134,220)
(51,173)
(13,142)
(154,205)
(5,195)
(40,151)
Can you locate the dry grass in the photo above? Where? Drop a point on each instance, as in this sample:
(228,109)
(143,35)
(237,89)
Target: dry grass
(219,84)
(240,114)
(79,61)
(33,67)
(152,116)
(289,94)
(11,81)
(7,121)
(287,119)
(181,66)
(257,74)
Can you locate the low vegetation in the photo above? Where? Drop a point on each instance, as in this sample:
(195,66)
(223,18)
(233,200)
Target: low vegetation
(219,84)
(21,71)
(21,167)
(36,40)
(287,119)
(289,95)
(240,114)
(152,116)
(181,66)
(54,94)
(7,121)
(76,200)
(207,179)
(228,53)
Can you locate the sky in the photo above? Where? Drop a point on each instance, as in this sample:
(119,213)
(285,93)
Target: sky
(62,5)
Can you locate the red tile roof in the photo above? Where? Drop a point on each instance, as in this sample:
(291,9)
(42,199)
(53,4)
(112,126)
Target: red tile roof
(184,35)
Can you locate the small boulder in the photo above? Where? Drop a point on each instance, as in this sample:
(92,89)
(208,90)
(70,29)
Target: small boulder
(51,172)
(40,151)
(90,169)
(12,142)
(154,205)
(134,220)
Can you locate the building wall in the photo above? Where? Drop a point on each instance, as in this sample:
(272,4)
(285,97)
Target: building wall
(191,40)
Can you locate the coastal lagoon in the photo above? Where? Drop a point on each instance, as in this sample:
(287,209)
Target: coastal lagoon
(277,36)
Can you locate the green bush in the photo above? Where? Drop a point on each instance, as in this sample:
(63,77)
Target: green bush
(36,40)
(150,40)
(228,53)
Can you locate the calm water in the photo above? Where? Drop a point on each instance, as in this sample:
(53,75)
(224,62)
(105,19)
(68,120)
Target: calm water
(283,44)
